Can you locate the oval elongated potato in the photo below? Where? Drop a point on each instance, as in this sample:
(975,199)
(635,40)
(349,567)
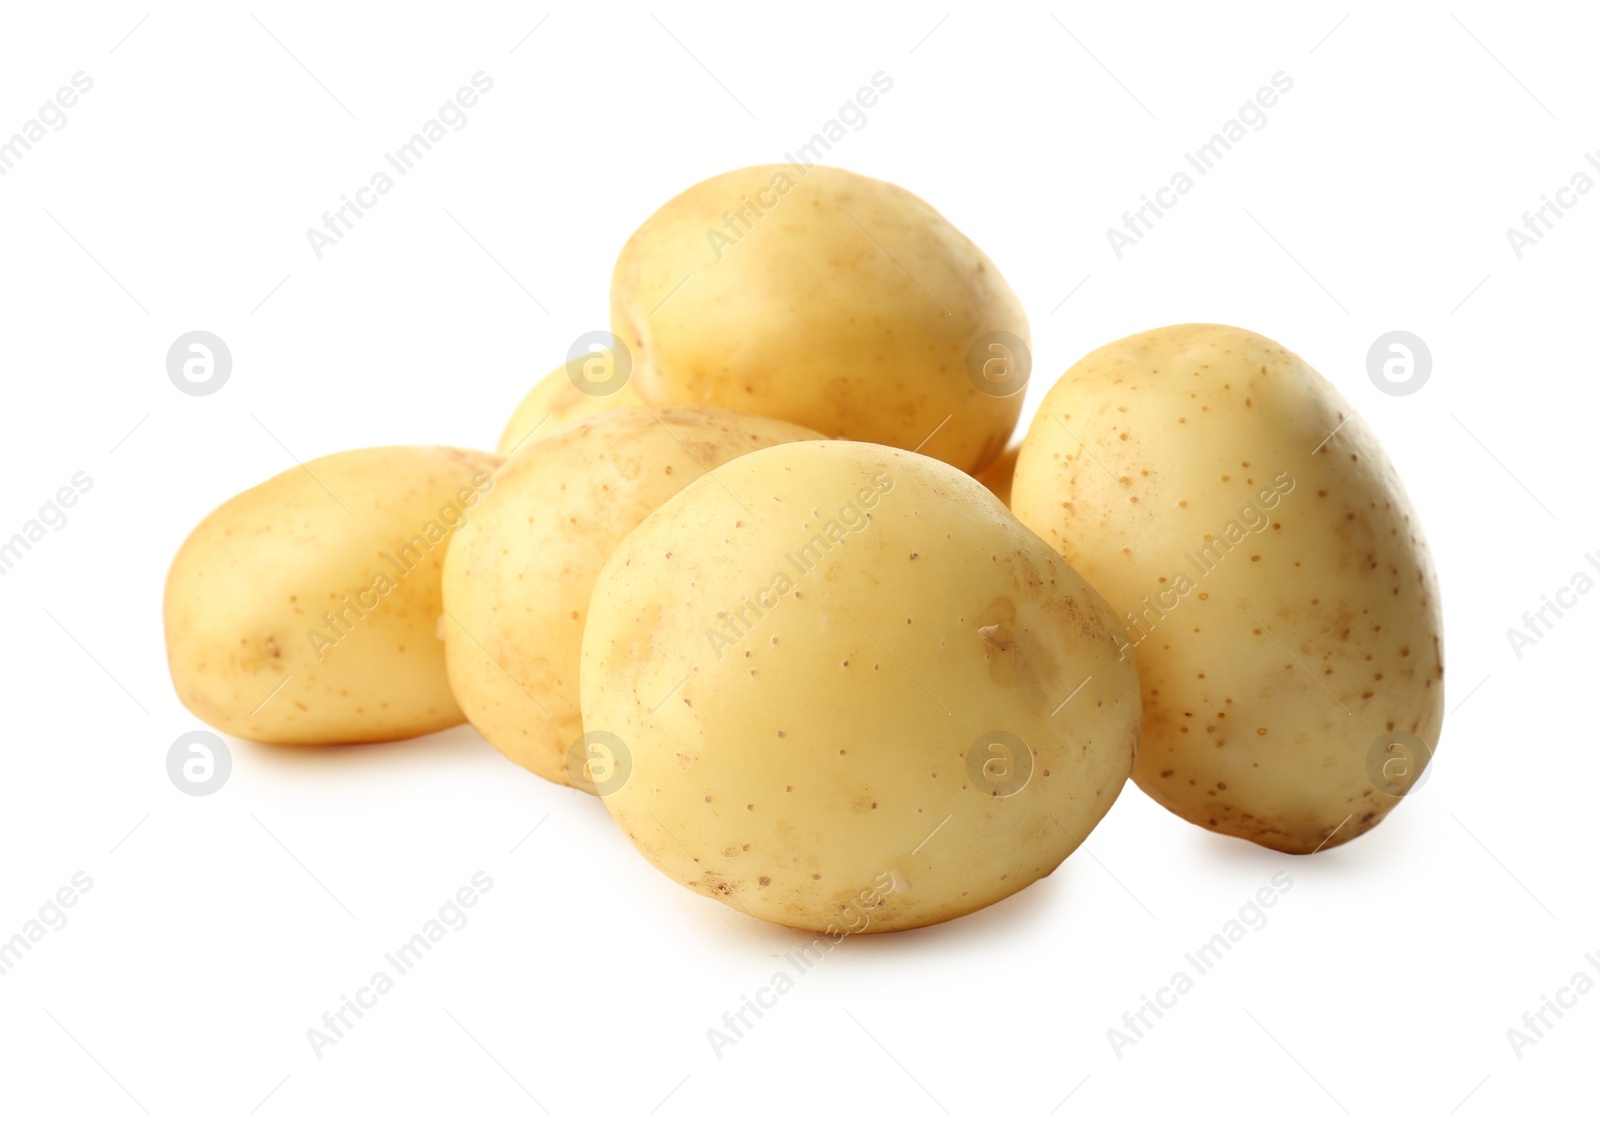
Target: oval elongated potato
(841,688)
(1272,576)
(305,610)
(555,402)
(517,579)
(828,298)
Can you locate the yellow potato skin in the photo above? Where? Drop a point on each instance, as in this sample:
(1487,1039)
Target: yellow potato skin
(260,640)
(1311,628)
(553,403)
(518,577)
(849,306)
(999,474)
(803,757)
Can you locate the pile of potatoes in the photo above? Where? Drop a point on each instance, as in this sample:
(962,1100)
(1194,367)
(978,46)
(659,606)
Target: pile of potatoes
(759,570)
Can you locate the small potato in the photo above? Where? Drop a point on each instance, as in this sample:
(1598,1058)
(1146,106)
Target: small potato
(999,474)
(517,579)
(305,610)
(841,688)
(555,402)
(830,299)
(1271,575)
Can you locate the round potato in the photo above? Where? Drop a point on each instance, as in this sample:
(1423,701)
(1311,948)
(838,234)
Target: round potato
(841,688)
(517,579)
(831,299)
(555,402)
(1272,577)
(305,610)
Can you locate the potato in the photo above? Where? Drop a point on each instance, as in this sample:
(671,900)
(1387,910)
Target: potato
(555,402)
(841,688)
(305,610)
(517,579)
(1273,580)
(834,300)
(999,474)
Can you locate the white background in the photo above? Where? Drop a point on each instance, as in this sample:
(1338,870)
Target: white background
(219,929)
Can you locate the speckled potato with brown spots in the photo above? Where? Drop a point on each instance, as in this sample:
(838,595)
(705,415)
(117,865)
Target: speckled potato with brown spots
(824,297)
(1271,576)
(857,695)
(305,610)
(555,402)
(518,578)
